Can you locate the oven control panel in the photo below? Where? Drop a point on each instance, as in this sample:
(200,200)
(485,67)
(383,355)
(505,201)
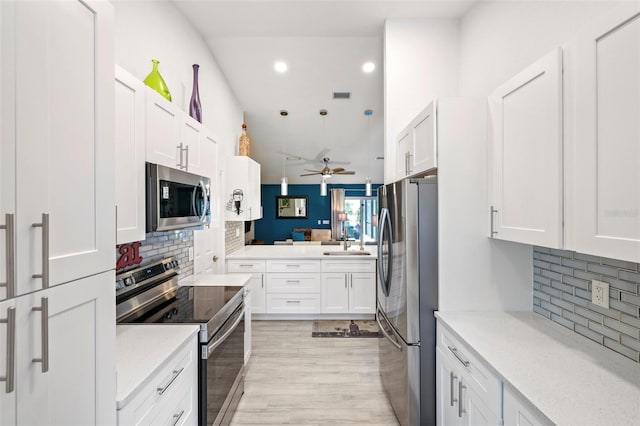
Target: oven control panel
(140,277)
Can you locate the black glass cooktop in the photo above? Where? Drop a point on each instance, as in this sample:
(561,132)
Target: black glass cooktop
(191,305)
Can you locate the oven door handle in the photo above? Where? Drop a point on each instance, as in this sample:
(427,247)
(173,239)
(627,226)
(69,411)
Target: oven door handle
(222,338)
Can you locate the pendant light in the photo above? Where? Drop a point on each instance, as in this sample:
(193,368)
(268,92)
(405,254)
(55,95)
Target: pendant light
(284,186)
(323,188)
(323,183)
(367,185)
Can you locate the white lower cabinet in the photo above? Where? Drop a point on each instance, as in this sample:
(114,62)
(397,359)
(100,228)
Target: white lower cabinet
(257,282)
(53,384)
(348,292)
(348,286)
(309,286)
(467,392)
(293,286)
(517,412)
(170,396)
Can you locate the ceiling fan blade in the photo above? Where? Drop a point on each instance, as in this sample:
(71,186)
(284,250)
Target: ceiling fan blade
(314,171)
(310,174)
(344,173)
(338,170)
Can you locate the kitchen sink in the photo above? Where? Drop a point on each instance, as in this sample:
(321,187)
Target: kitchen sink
(347,253)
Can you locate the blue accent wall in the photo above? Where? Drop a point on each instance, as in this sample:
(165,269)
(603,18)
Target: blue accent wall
(270,229)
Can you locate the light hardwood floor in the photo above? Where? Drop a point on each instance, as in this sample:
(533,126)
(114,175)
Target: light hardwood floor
(293,378)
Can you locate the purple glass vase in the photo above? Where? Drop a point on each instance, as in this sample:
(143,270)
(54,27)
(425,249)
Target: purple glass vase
(195,110)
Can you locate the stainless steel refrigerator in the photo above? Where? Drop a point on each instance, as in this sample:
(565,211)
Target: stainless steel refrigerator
(408,296)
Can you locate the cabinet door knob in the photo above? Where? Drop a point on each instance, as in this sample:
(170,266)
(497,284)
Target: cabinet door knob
(214,258)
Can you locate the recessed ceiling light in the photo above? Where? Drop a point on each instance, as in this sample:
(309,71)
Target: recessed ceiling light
(368,67)
(280,66)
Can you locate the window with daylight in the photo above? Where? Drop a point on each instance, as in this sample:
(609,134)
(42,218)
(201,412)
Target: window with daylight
(359,210)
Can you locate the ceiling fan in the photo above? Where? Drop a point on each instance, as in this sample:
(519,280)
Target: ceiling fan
(327,172)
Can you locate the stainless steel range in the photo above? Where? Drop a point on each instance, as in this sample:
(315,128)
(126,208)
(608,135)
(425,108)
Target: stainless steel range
(151,294)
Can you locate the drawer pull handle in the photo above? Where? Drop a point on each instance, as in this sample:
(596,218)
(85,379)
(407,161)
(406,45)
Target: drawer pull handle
(293,281)
(10,253)
(455,353)
(11,349)
(163,389)
(292,266)
(45,249)
(245,266)
(293,301)
(177,417)
(461,410)
(44,321)
(452,378)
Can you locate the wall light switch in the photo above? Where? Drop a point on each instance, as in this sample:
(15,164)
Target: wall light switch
(237,232)
(600,293)
(190,254)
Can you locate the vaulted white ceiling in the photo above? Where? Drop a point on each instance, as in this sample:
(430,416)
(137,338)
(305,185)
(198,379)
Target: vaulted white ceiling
(325,44)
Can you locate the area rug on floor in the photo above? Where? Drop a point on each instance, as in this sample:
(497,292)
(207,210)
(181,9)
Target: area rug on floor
(345,328)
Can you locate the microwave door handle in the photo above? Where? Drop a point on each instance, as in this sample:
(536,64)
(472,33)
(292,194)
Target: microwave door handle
(206,201)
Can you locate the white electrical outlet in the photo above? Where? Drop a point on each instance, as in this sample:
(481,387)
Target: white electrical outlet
(190,254)
(237,232)
(600,293)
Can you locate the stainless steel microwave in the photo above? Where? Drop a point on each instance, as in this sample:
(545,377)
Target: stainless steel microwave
(176,199)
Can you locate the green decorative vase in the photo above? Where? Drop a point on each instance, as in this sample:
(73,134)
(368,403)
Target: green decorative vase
(156,82)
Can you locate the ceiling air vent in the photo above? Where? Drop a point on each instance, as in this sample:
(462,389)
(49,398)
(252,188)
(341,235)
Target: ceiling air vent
(341,95)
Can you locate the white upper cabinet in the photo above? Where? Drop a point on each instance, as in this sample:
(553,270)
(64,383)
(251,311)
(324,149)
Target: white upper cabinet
(424,139)
(416,145)
(192,136)
(163,132)
(173,138)
(57,141)
(603,137)
(526,155)
(404,151)
(130,156)
(242,178)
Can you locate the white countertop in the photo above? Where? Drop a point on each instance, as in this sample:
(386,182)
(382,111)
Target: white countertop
(570,379)
(141,349)
(298,252)
(215,280)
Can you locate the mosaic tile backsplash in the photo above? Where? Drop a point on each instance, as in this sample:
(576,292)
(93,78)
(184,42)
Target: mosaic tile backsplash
(231,241)
(159,245)
(562,293)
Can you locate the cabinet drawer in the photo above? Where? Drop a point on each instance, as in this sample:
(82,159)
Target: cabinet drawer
(167,388)
(247,266)
(484,383)
(293,266)
(349,265)
(181,410)
(308,303)
(293,283)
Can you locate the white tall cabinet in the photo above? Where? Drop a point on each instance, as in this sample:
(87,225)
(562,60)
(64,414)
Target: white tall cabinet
(603,144)
(526,160)
(56,189)
(130,156)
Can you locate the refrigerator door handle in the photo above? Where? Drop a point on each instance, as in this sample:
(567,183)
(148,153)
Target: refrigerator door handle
(385,279)
(385,334)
